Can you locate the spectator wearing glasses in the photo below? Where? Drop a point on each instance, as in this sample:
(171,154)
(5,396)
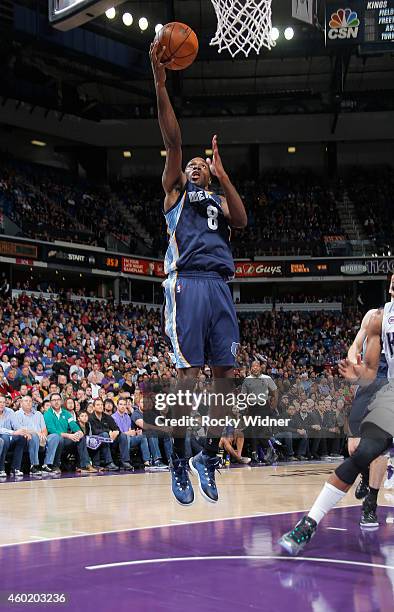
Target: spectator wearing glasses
(61,423)
(34,424)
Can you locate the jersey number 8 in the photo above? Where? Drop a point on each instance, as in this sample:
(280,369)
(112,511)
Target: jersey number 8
(212,213)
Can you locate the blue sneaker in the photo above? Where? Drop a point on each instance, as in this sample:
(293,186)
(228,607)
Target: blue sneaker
(180,482)
(204,468)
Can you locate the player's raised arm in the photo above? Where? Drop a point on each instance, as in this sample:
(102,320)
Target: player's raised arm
(357,346)
(173,177)
(363,373)
(232,205)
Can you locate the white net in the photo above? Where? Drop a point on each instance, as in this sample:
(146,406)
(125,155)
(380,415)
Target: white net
(243,25)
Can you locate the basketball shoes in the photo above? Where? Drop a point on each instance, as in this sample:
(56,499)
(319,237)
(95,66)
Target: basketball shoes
(294,541)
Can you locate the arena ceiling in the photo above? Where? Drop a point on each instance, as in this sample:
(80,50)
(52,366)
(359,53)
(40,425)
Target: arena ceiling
(298,76)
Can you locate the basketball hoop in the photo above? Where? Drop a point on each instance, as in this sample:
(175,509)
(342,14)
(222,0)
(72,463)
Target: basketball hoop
(243,25)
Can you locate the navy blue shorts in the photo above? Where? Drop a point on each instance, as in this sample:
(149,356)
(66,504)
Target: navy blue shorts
(200,320)
(360,404)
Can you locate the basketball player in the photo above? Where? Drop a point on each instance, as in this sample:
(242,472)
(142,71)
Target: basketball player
(377,428)
(374,475)
(199,313)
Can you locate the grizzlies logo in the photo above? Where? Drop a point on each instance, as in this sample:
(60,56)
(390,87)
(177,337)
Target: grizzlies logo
(234,348)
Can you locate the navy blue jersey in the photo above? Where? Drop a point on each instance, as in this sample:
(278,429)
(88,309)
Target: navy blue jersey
(198,234)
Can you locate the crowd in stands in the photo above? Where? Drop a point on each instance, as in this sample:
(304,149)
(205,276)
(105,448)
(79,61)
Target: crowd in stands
(50,205)
(294,298)
(60,287)
(288,213)
(61,357)
(372,193)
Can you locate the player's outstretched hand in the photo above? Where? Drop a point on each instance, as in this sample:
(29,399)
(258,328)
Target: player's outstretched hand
(352,372)
(156,53)
(215,164)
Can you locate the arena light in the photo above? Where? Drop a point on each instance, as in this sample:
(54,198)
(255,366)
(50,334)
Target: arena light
(291,149)
(163,153)
(38,143)
(208,151)
(158,27)
(143,23)
(274,34)
(127,19)
(127,154)
(110,13)
(289,33)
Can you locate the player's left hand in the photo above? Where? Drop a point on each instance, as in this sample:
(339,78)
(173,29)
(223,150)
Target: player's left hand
(215,164)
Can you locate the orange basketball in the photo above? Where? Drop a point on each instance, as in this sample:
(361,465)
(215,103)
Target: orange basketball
(181,44)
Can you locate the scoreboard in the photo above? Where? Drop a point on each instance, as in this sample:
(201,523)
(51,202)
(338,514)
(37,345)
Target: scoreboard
(308,268)
(378,26)
(68,14)
(366,23)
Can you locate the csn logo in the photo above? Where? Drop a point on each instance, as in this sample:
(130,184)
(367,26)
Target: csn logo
(343,24)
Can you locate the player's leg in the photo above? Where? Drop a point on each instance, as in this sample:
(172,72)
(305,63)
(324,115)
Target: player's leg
(185,320)
(357,413)
(373,443)
(181,485)
(221,344)
(377,472)
(363,485)
(207,461)
(360,408)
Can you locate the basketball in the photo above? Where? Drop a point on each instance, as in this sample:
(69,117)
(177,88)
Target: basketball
(181,44)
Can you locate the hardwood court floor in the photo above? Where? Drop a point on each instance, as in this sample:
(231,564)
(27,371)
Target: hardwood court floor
(51,508)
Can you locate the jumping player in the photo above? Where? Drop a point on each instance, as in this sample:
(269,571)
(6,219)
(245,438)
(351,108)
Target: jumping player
(199,313)
(377,428)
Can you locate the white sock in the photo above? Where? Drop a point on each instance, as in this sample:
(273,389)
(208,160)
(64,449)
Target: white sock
(328,497)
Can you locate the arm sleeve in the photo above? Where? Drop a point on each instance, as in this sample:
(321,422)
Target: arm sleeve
(271,384)
(74,427)
(48,422)
(244,387)
(14,422)
(4,430)
(42,421)
(113,425)
(136,416)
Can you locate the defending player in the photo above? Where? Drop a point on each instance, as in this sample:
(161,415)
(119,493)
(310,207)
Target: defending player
(374,474)
(200,317)
(377,428)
